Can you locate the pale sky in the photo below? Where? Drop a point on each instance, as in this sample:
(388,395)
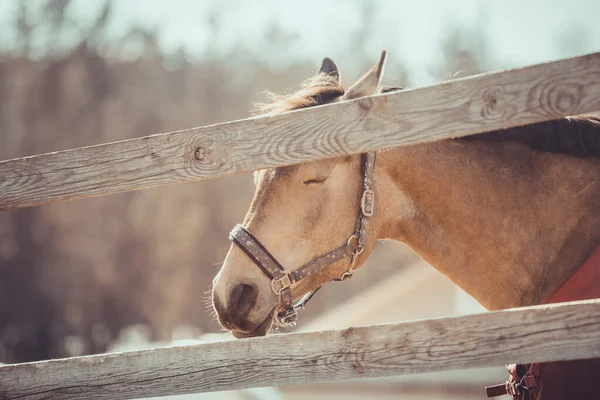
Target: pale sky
(519,32)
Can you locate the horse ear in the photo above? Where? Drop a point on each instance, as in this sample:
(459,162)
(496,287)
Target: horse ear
(367,85)
(328,67)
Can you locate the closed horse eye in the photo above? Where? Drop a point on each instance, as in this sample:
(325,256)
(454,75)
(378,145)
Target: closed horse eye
(318,180)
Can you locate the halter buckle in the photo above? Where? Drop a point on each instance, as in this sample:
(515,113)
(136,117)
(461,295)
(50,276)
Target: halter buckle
(367,202)
(285,282)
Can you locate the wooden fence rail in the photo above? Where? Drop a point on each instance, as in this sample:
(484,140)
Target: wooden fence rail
(541,333)
(462,107)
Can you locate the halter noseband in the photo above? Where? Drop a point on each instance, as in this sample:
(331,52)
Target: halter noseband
(282,280)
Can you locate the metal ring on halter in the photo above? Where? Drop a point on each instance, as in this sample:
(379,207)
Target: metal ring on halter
(359,249)
(355,238)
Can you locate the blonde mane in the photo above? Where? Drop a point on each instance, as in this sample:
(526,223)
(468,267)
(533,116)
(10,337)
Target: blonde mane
(315,91)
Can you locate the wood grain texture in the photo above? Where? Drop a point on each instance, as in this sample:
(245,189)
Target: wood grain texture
(457,108)
(542,333)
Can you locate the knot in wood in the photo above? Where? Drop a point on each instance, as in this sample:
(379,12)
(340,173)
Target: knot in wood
(567,99)
(200,153)
(561,97)
(492,107)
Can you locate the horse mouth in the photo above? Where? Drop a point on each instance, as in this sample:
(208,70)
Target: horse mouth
(261,330)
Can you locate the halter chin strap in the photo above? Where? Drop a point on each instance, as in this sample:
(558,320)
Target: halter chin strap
(282,280)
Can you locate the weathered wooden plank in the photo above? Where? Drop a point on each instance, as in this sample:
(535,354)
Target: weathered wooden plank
(457,108)
(542,333)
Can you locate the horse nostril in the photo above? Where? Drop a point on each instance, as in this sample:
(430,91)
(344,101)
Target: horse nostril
(243,298)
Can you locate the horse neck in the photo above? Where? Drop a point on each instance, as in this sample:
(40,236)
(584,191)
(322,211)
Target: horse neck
(506,223)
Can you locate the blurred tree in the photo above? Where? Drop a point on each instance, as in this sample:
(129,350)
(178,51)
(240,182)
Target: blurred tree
(464,51)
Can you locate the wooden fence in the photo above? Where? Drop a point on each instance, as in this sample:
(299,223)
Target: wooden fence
(462,107)
(457,108)
(542,333)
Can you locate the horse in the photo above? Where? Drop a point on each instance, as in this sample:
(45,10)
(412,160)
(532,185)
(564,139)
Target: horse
(510,216)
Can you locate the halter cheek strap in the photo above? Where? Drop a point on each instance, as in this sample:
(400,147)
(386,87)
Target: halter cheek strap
(282,280)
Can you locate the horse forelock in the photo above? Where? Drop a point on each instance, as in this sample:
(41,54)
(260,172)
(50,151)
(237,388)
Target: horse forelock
(318,90)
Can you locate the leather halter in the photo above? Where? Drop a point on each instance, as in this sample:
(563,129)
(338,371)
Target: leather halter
(282,279)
